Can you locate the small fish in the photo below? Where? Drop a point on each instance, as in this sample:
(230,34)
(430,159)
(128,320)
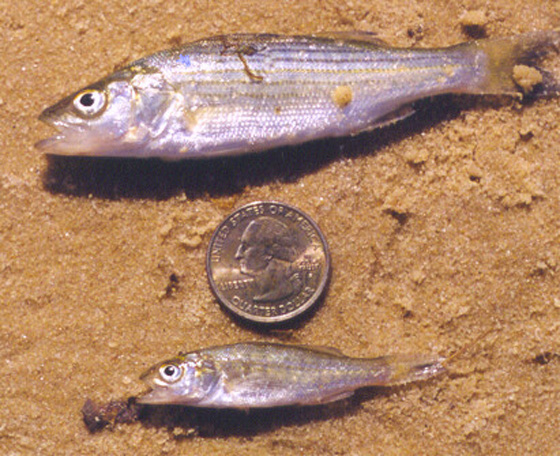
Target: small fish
(236,94)
(256,375)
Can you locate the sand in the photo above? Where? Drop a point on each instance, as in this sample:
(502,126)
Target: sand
(440,228)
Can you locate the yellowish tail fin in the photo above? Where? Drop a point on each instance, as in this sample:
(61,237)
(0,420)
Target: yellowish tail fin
(413,368)
(512,64)
(468,346)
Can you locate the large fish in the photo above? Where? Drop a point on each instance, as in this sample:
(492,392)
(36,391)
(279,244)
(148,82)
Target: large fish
(235,94)
(255,375)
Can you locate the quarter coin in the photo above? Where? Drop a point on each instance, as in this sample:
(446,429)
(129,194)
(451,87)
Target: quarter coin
(268,262)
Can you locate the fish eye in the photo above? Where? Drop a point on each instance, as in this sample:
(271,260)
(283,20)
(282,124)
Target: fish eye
(89,102)
(170,373)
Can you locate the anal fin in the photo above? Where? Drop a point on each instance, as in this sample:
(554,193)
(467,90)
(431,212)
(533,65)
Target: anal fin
(389,119)
(331,398)
(395,116)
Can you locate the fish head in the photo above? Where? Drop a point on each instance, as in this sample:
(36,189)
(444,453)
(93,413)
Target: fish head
(185,380)
(112,117)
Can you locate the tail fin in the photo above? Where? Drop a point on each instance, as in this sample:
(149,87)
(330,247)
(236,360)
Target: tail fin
(511,64)
(413,368)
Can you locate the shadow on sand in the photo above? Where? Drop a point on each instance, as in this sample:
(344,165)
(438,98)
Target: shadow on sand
(187,422)
(117,178)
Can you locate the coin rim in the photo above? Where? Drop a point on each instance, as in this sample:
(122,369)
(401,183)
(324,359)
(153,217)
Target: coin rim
(281,318)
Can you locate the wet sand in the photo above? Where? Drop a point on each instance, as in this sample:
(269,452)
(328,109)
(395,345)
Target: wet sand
(440,227)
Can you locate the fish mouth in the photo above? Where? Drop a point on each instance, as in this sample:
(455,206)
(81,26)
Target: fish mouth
(70,140)
(50,145)
(164,396)
(77,141)
(155,397)
(159,393)
(156,394)
(66,142)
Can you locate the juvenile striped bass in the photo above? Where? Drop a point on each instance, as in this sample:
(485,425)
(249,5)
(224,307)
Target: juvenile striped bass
(256,375)
(243,93)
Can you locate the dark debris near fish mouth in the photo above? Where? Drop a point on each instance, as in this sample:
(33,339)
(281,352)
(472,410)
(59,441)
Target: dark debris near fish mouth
(99,416)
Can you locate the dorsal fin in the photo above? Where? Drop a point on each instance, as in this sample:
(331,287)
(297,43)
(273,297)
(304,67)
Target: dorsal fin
(355,35)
